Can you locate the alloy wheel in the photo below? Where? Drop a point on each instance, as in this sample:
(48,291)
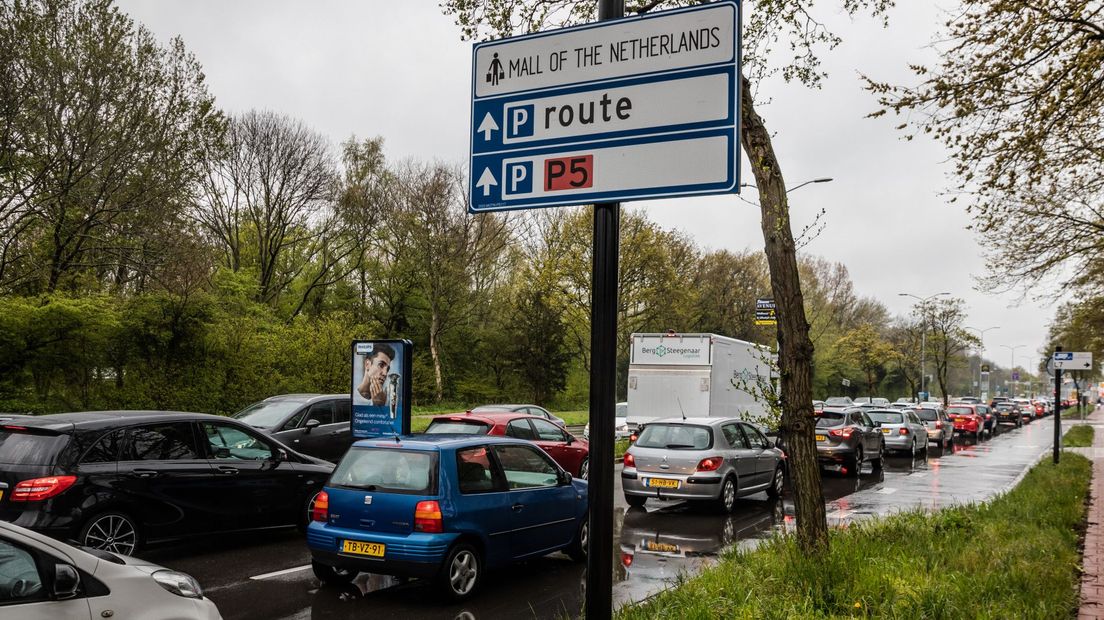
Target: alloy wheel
(463,572)
(584,469)
(112,532)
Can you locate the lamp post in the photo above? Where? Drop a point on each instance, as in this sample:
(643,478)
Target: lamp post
(981,338)
(799,185)
(923,334)
(1012,368)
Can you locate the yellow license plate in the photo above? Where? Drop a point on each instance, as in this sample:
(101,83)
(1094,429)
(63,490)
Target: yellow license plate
(363,548)
(652,545)
(822,438)
(885,431)
(663,483)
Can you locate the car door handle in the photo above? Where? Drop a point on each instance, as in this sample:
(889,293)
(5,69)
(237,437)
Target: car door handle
(226,470)
(517,507)
(144,473)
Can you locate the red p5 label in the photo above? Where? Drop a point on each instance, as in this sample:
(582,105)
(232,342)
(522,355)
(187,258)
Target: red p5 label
(576,172)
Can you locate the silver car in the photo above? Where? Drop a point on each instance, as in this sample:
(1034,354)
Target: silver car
(940,427)
(901,430)
(44,578)
(711,459)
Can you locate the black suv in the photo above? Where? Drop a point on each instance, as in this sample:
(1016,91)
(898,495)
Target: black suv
(314,424)
(116,480)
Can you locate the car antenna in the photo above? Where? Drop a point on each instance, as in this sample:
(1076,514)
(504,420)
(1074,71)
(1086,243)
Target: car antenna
(681,410)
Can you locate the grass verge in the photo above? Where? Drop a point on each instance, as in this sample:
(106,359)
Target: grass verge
(1078,436)
(1014,557)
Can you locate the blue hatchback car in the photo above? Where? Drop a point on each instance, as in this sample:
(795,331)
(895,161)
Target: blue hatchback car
(446,507)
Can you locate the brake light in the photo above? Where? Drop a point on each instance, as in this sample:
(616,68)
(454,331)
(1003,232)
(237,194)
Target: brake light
(427,517)
(712,463)
(844,433)
(626,559)
(321,510)
(988,416)
(938,424)
(902,431)
(38,489)
(632,438)
(12,427)
(629,461)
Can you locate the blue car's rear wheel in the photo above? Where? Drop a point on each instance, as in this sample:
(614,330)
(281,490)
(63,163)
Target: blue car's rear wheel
(462,573)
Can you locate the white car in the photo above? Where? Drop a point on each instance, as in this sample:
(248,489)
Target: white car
(620,423)
(44,579)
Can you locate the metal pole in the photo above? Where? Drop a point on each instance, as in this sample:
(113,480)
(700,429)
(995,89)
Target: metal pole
(923,357)
(1057,409)
(603,377)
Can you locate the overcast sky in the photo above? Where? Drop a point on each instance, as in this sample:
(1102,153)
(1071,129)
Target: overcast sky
(399,70)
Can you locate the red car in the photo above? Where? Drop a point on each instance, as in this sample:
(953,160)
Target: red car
(571,453)
(966,420)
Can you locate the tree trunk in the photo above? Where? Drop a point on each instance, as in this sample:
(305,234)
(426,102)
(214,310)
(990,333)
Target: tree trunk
(795,348)
(434,352)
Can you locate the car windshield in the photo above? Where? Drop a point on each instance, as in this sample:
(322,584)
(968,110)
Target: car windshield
(886,417)
(490,408)
(387,469)
(960,410)
(675,437)
(22,448)
(828,419)
(838,400)
(267,413)
(462,427)
(927,415)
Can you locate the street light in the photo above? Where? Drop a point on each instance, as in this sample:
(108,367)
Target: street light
(981,338)
(820,180)
(1012,368)
(923,334)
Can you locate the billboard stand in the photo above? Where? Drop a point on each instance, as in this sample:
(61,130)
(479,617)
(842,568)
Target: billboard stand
(381,388)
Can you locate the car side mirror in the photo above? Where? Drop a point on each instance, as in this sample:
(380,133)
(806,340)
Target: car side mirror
(280,455)
(66,581)
(311,424)
(570,439)
(565,478)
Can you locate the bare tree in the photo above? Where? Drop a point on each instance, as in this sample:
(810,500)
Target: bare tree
(455,256)
(947,336)
(271,180)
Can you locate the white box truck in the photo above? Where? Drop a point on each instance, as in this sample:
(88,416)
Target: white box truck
(698,375)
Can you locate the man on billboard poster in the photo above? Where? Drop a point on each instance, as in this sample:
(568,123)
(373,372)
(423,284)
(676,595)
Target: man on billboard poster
(380,388)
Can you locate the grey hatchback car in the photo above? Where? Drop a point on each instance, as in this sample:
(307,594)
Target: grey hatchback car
(708,459)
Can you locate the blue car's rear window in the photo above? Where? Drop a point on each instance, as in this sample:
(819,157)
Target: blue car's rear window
(388,469)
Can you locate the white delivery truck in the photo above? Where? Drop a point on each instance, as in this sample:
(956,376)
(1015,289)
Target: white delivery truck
(696,375)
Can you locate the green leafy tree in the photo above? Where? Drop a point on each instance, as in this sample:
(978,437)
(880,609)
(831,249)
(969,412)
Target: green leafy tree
(869,352)
(103,131)
(537,349)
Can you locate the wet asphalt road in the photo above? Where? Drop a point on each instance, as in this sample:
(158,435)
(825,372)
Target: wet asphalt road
(267,575)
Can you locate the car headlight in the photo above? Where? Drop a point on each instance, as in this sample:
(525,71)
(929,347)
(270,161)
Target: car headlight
(178,583)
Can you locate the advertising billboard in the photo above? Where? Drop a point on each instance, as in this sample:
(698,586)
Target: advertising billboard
(381,388)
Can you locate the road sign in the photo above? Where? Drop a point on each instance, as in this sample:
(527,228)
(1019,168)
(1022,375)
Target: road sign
(1070,360)
(765,312)
(1015,375)
(625,109)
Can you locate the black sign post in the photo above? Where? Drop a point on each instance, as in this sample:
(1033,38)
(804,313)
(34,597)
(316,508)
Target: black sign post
(1057,407)
(603,378)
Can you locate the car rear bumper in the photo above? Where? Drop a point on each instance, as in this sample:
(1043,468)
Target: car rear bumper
(414,555)
(835,454)
(699,486)
(898,442)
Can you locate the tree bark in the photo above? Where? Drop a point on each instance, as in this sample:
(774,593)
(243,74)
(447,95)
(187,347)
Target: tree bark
(795,348)
(434,352)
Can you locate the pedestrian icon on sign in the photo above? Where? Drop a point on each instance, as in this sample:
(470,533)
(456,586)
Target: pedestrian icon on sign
(495,73)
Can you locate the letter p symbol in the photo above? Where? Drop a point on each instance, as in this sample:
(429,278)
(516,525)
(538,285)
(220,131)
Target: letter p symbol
(520,121)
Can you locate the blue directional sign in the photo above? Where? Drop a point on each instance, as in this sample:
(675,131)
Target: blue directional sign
(635,108)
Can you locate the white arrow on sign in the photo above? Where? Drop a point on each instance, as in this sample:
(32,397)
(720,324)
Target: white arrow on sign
(487,126)
(486,180)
